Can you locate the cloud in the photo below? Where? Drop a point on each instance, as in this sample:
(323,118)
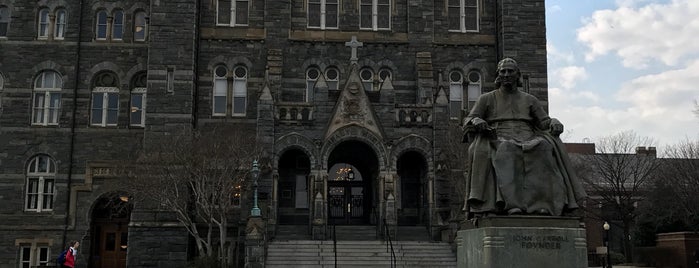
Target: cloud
(554,9)
(554,55)
(640,33)
(567,77)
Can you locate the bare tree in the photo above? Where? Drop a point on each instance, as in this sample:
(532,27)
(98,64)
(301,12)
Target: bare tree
(680,173)
(619,179)
(199,176)
(696,108)
(455,152)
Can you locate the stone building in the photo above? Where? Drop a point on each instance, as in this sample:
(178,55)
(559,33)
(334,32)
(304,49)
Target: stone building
(362,88)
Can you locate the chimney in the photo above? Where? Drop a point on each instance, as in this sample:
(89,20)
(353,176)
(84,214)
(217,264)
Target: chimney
(651,152)
(641,150)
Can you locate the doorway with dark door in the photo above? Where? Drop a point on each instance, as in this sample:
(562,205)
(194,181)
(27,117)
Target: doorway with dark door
(109,231)
(293,208)
(353,167)
(412,171)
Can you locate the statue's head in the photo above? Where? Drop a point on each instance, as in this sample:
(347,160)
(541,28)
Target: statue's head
(508,74)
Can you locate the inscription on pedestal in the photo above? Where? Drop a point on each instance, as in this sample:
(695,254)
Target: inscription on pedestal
(552,242)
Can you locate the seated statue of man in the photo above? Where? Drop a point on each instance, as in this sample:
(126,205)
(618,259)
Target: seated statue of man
(517,163)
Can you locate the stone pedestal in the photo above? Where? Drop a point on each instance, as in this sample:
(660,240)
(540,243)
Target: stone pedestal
(525,241)
(254,243)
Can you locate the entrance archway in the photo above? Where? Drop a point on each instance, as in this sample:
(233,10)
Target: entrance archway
(412,171)
(294,167)
(353,169)
(109,231)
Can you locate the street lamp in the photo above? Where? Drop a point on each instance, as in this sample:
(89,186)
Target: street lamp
(606,243)
(255,212)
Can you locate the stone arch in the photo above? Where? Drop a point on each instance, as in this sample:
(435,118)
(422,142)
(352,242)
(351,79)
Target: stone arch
(387,63)
(367,63)
(313,62)
(107,6)
(135,70)
(357,133)
(453,66)
(229,63)
(295,141)
(107,66)
(414,143)
(45,66)
(136,7)
(480,67)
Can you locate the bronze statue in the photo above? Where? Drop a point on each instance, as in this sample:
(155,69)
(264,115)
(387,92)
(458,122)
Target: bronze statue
(517,163)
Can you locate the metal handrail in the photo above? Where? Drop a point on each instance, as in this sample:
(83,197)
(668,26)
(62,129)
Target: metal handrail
(390,243)
(334,243)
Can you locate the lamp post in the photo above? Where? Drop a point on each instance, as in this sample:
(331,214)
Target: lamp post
(606,243)
(255,212)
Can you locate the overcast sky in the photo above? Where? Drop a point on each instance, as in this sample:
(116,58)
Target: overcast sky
(624,65)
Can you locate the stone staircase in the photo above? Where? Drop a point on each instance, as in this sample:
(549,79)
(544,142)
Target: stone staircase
(358,253)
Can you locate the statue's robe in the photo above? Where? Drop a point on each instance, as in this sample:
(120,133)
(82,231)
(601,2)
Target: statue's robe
(517,163)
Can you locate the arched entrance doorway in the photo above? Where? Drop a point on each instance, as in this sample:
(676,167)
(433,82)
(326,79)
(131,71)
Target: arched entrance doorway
(353,169)
(412,171)
(109,231)
(294,167)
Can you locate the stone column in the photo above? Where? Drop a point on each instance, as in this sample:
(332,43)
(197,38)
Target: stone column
(255,243)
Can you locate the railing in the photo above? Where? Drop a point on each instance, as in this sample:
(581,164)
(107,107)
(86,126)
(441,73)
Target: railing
(292,112)
(334,243)
(414,115)
(390,243)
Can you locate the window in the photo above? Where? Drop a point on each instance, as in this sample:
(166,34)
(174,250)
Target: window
(47,98)
(240,90)
(105,100)
(41,174)
(60,31)
(375,14)
(456,93)
(138,100)
(25,257)
(33,257)
(4,20)
(312,75)
(140,26)
(367,77)
(220,91)
(474,88)
(463,15)
(232,12)
(384,73)
(118,25)
(101,30)
(323,14)
(43,23)
(332,76)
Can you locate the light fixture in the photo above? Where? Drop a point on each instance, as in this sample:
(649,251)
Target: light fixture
(124,198)
(605,226)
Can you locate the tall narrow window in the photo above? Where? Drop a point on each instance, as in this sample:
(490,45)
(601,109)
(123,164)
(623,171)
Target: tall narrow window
(138,100)
(118,25)
(220,91)
(105,100)
(241,12)
(4,20)
(25,256)
(60,31)
(43,23)
(367,77)
(332,76)
(232,12)
(463,15)
(375,14)
(312,75)
(140,26)
(456,94)
(101,28)
(322,14)
(41,175)
(240,90)
(474,88)
(47,98)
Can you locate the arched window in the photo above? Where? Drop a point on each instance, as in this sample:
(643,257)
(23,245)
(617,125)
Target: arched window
(312,75)
(43,23)
(4,20)
(456,94)
(332,76)
(375,14)
(383,73)
(140,26)
(367,77)
(323,14)
(118,25)
(41,177)
(220,94)
(60,25)
(101,27)
(105,100)
(474,88)
(47,98)
(240,90)
(138,100)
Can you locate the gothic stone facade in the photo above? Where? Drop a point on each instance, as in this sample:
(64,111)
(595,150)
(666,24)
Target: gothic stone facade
(82,83)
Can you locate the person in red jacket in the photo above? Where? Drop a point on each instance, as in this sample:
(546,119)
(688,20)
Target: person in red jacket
(70,255)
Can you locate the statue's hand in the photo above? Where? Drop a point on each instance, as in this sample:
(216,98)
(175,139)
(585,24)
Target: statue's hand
(556,127)
(479,124)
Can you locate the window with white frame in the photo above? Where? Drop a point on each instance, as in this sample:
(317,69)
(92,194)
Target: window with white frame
(332,76)
(384,73)
(4,20)
(138,100)
(240,90)
(323,14)
(232,12)
(41,177)
(463,15)
(101,27)
(456,94)
(367,77)
(312,75)
(29,256)
(375,14)
(59,32)
(140,26)
(105,100)
(118,25)
(47,98)
(43,31)
(474,88)
(220,92)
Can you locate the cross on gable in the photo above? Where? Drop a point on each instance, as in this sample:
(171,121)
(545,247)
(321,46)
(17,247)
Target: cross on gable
(354,44)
